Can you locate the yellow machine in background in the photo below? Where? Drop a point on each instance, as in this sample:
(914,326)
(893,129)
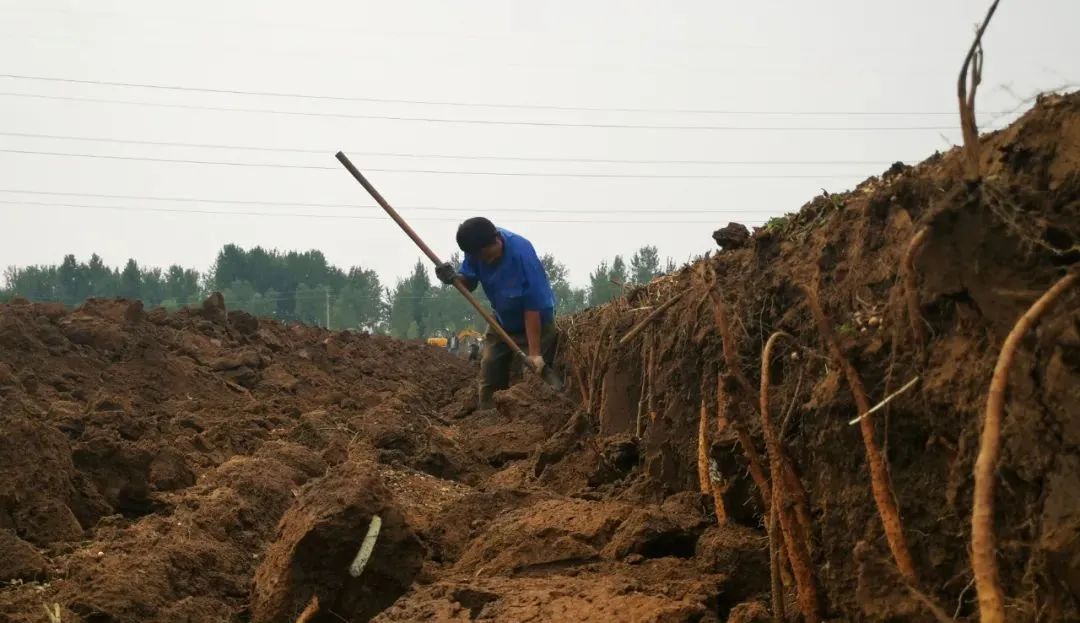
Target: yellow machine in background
(467,343)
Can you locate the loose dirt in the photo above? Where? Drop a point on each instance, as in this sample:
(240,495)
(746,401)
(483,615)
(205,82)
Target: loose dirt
(207,466)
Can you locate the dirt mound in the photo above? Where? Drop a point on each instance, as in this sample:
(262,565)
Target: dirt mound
(639,594)
(935,311)
(319,541)
(152,455)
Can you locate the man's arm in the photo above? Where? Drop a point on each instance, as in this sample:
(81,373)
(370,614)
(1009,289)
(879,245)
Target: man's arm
(532,332)
(537,298)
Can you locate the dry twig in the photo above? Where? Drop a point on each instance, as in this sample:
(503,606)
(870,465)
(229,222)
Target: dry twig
(983,562)
(886,401)
(653,315)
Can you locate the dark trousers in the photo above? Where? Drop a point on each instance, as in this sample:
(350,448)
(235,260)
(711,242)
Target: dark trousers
(498,359)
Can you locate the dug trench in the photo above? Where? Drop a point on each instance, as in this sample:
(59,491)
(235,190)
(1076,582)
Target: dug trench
(208,466)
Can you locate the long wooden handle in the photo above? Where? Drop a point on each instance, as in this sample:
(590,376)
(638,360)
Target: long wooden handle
(344,160)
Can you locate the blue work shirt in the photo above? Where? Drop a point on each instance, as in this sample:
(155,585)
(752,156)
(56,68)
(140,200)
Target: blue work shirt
(516,283)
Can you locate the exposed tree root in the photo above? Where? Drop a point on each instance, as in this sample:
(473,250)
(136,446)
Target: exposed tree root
(776,584)
(972,66)
(653,315)
(310,611)
(703,448)
(911,293)
(756,464)
(793,489)
(643,393)
(595,376)
(581,386)
(650,401)
(731,359)
(753,459)
(983,561)
(795,543)
(731,356)
(880,484)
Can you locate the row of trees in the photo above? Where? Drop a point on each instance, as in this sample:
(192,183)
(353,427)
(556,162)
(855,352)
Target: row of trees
(304,287)
(72,282)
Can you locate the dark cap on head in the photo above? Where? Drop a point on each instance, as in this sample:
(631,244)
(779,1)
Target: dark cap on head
(475,234)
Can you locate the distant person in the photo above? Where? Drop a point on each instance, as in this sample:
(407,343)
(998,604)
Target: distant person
(515,282)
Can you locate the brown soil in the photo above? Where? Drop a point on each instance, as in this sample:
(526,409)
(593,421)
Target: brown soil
(206,466)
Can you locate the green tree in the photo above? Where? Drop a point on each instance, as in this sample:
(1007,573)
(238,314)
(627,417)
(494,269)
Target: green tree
(311,304)
(567,298)
(101,280)
(409,303)
(240,295)
(181,285)
(264,305)
(130,281)
(601,290)
(618,276)
(644,265)
(152,290)
(359,304)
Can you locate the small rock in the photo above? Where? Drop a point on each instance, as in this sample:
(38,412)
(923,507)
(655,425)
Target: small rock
(634,559)
(243,322)
(19,560)
(733,236)
(213,309)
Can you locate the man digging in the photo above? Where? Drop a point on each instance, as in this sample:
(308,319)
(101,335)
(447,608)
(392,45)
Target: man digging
(515,282)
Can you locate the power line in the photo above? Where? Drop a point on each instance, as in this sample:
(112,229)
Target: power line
(424,102)
(337,216)
(353,205)
(301,150)
(493,122)
(427,171)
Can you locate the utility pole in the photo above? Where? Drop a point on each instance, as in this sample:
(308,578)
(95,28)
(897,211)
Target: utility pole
(327,307)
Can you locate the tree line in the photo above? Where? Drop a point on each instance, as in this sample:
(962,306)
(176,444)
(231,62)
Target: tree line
(304,287)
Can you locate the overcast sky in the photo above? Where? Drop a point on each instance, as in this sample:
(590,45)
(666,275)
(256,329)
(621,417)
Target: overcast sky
(440,63)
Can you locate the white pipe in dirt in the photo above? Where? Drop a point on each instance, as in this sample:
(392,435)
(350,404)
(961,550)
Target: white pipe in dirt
(368,546)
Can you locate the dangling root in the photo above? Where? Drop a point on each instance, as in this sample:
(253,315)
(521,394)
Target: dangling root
(793,488)
(879,472)
(650,402)
(310,611)
(753,459)
(702,449)
(719,488)
(643,394)
(911,294)
(757,466)
(581,386)
(731,359)
(983,563)
(776,584)
(796,546)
